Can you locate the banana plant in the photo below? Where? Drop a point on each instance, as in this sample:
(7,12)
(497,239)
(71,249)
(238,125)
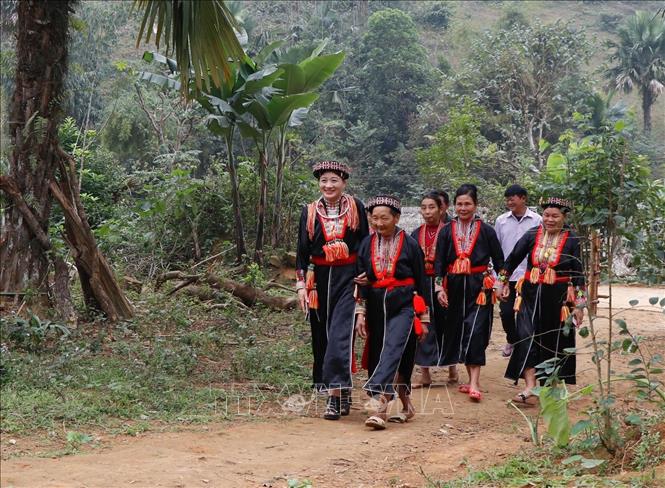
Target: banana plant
(297,78)
(262,102)
(225,104)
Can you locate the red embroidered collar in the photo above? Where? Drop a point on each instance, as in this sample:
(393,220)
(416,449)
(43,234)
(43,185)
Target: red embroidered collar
(429,249)
(475,232)
(551,262)
(390,272)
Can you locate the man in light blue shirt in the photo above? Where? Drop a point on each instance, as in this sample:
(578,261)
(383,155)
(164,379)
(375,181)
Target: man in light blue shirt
(510,227)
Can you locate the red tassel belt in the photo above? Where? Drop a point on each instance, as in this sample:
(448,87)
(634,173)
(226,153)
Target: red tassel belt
(558,279)
(321,261)
(474,270)
(391,283)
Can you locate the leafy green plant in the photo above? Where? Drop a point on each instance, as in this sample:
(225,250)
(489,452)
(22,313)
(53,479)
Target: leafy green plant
(254,276)
(648,451)
(294,483)
(76,439)
(31,334)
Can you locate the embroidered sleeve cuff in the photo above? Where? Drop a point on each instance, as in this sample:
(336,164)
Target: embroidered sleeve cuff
(361,308)
(425,316)
(300,275)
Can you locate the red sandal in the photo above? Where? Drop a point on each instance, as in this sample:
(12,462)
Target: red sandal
(475,395)
(464,388)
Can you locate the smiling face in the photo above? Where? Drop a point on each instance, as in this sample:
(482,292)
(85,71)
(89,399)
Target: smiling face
(331,186)
(465,207)
(430,211)
(384,220)
(553,219)
(516,204)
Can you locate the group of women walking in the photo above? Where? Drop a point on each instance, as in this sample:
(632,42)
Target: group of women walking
(427,298)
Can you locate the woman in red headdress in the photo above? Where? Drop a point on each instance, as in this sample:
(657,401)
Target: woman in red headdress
(550,299)
(331,230)
(393,310)
(465,283)
(440,348)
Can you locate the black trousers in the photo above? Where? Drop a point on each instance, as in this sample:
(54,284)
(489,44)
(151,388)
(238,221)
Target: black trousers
(508,315)
(332,327)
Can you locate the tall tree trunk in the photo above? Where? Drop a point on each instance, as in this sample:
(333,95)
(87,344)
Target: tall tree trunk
(25,248)
(279,184)
(263,200)
(647,103)
(238,228)
(41,51)
(101,290)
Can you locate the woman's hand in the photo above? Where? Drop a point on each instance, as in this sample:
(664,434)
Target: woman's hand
(361,325)
(578,314)
(361,279)
(442,297)
(302,299)
(505,293)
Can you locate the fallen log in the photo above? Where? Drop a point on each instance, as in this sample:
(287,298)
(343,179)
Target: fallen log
(250,295)
(247,294)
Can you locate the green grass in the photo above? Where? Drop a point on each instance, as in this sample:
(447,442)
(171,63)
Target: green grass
(176,362)
(541,469)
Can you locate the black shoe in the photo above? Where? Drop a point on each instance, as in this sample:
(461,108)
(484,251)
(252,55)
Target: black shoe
(345,402)
(332,408)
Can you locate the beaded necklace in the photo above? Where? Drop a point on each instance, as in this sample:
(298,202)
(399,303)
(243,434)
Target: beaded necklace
(385,252)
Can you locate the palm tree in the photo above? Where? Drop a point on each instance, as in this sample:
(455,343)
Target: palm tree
(202,35)
(639,60)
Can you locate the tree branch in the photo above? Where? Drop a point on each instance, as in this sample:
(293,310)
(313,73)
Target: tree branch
(8,185)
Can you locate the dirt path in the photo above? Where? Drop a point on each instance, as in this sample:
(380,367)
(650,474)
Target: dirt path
(449,434)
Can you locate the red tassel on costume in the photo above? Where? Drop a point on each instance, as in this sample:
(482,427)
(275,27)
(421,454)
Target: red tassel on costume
(534,276)
(418,326)
(565,313)
(549,278)
(488,281)
(570,294)
(336,250)
(310,282)
(518,303)
(462,265)
(493,298)
(313,298)
(519,284)
(310,286)
(482,298)
(419,305)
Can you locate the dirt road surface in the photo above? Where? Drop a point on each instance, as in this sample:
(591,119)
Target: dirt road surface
(449,434)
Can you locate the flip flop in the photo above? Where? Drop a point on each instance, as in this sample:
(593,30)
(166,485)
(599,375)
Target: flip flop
(522,399)
(398,418)
(376,423)
(475,395)
(464,388)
